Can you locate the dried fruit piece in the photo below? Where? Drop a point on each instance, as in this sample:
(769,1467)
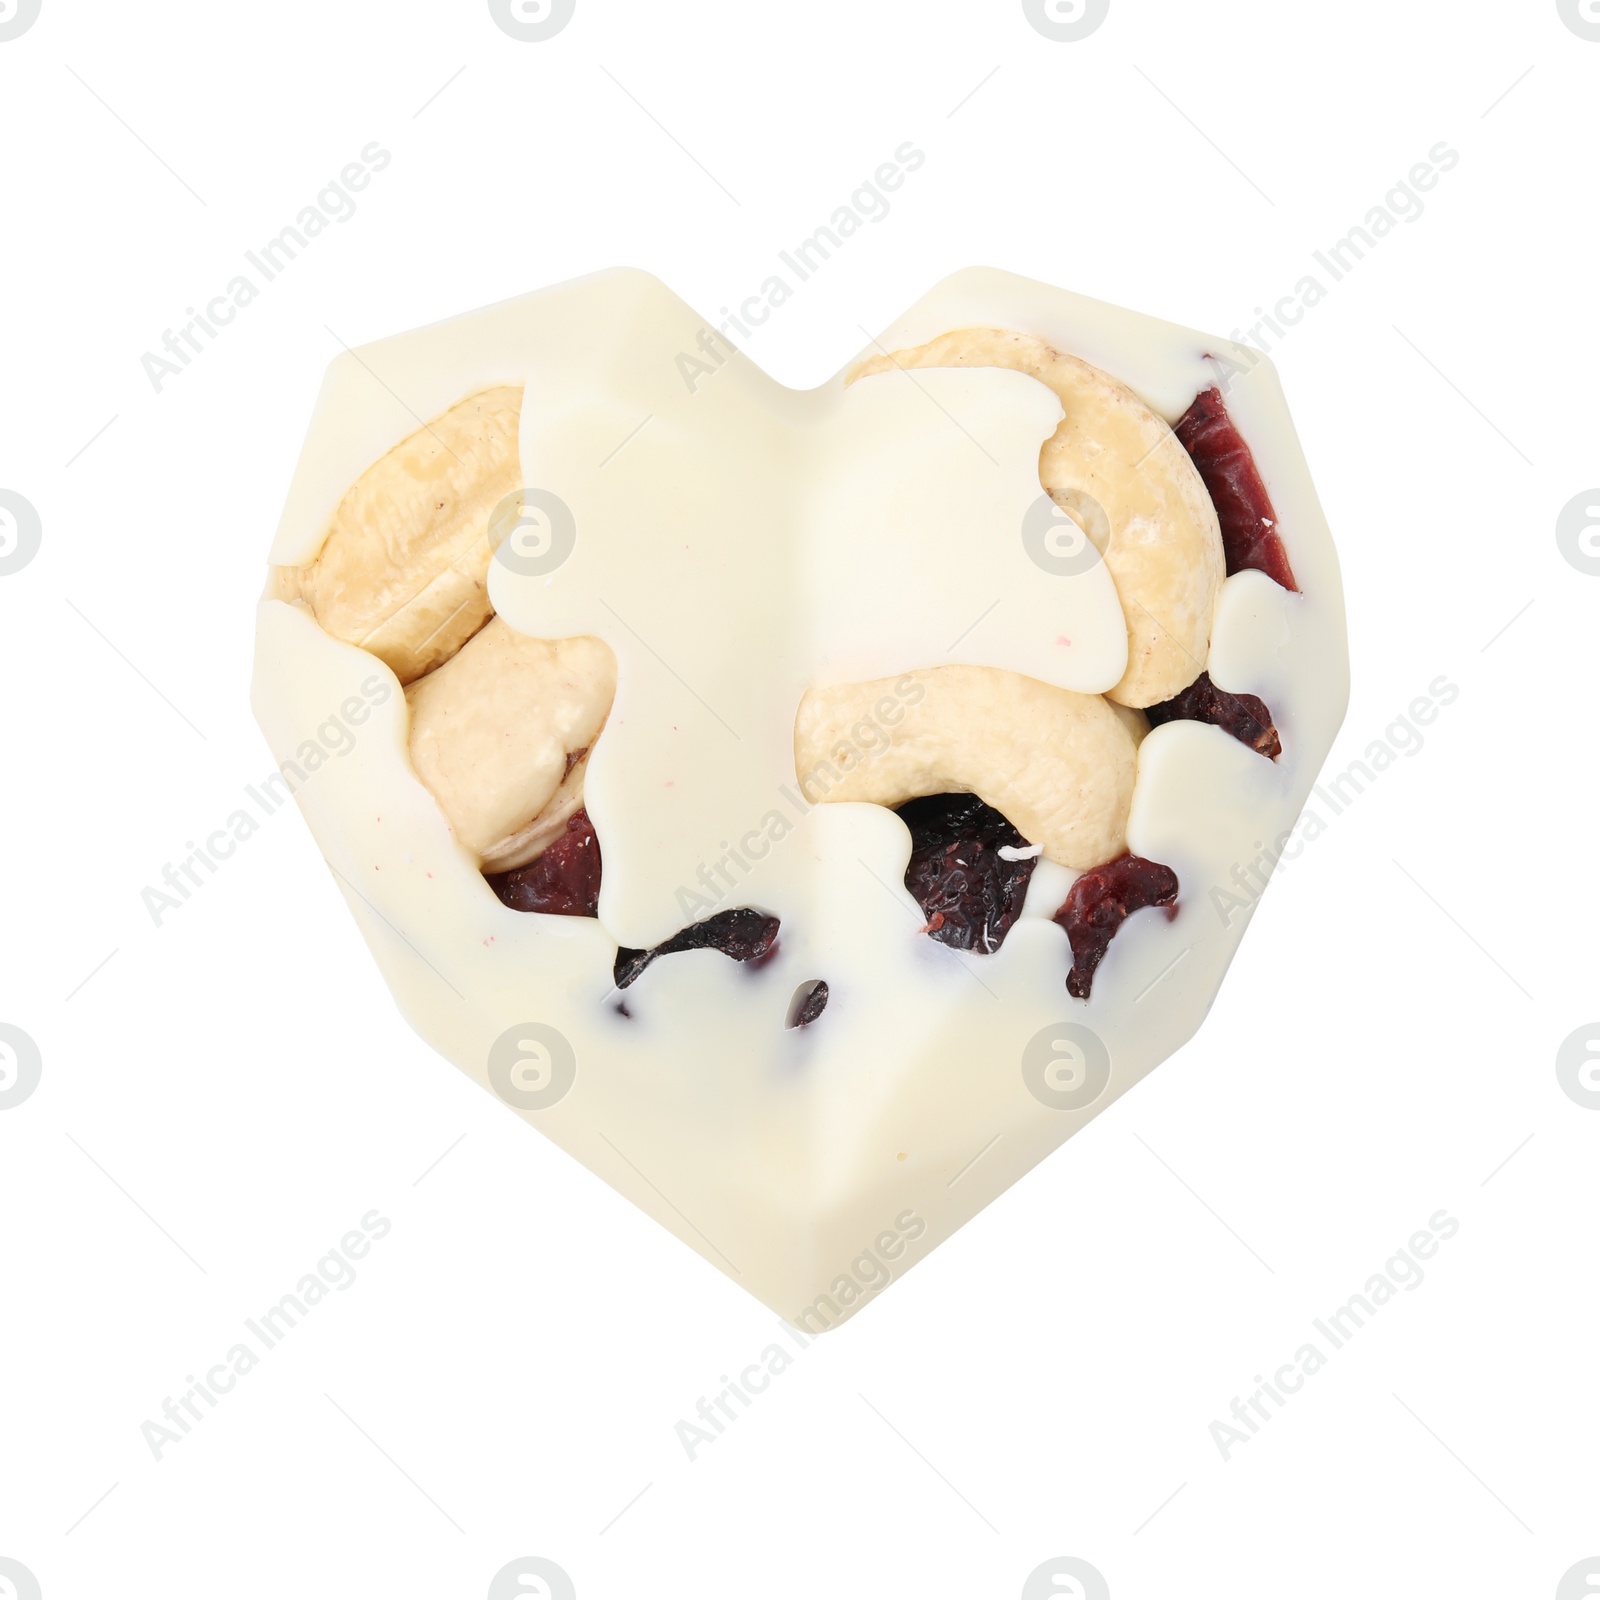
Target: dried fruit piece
(968,891)
(1059,765)
(809,1002)
(1245,716)
(743,934)
(1113,455)
(564,881)
(492,730)
(1244,508)
(402,571)
(1101,901)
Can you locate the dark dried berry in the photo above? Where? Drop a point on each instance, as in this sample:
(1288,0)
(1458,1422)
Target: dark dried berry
(1245,716)
(743,934)
(968,891)
(1101,901)
(563,882)
(809,1002)
(1250,536)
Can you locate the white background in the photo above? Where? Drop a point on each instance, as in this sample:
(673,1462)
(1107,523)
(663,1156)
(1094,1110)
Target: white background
(224,1096)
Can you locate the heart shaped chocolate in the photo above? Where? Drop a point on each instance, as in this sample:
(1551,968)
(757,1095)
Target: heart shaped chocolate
(808,809)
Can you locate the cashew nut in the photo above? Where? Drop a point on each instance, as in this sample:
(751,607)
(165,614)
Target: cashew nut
(403,569)
(492,730)
(1159,532)
(1057,764)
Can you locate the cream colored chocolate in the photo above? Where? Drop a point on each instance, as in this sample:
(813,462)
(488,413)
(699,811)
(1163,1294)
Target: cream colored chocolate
(402,568)
(1118,471)
(740,544)
(1058,765)
(491,731)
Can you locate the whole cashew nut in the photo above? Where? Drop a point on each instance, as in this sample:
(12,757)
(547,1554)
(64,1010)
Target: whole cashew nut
(493,729)
(1058,765)
(403,570)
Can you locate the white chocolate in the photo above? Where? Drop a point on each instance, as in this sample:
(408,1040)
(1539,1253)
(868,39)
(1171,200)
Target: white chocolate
(1120,473)
(747,544)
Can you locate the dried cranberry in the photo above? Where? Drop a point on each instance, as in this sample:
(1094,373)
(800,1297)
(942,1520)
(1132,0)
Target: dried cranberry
(1245,716)
(968,891)
(563,882)
(809,1002)
(743,934)
(1101,901)
(1244,509)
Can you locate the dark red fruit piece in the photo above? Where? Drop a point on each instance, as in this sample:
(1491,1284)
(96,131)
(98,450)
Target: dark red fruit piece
(968,891)
(810,1001)
(744,935)
(563,882)
(1101,901)
(1245,716)
(1244,508)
